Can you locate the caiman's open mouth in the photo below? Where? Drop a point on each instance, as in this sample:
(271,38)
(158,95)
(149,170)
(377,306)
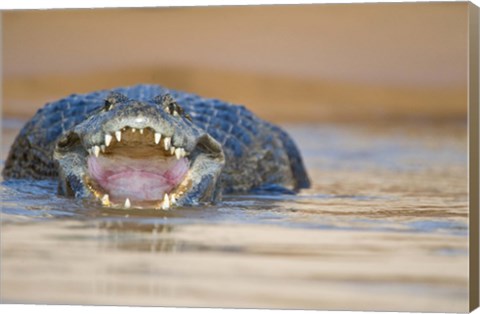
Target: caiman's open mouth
(138,168)
(131,154)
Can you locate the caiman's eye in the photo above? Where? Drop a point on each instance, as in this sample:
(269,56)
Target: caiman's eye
(113,99)
(171,106)
(108,104)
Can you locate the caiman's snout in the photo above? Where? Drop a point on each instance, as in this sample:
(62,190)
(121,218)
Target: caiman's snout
(143,154)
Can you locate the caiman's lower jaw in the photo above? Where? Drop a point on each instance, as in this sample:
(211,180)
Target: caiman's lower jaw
(139,169)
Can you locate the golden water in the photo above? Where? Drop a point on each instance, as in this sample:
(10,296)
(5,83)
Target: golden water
(384,227)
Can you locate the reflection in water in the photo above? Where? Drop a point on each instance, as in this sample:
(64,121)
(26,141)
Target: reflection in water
(157,235)
(385,222)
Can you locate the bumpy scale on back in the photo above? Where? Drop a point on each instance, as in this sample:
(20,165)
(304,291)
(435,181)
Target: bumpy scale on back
(147,146)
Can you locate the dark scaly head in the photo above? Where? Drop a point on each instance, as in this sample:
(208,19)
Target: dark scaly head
(139,154)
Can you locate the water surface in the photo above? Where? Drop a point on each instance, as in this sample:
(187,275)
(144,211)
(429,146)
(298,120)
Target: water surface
(384,227)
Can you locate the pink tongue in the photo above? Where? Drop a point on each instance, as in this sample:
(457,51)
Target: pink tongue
(137,179)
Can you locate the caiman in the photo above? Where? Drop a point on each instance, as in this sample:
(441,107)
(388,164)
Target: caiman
(149,146)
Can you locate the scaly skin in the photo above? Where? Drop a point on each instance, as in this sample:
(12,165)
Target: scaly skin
(230,149)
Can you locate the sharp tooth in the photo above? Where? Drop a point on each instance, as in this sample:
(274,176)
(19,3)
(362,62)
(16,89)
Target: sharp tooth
(102,148)
(141,131)
(166,202)
(182,152)
(105,199)
(118,135)
(172,150)
(173,200)
(166,142)
(158,136)
(133,130)
(178,153)
(127,203)
(108,139)
(96,150)
(175,113)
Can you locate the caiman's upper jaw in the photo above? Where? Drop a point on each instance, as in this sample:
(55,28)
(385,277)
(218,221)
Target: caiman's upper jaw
(137,168)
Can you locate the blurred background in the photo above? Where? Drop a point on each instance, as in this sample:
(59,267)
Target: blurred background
(296,63)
